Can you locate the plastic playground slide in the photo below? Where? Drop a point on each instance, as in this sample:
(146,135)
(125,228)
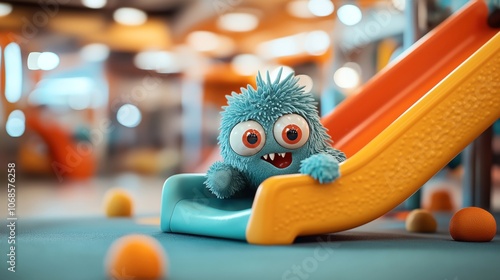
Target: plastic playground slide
(415,135)
(357,120)
(68,159)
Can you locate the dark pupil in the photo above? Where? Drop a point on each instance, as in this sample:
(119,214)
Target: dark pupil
(292,134)
(252,138)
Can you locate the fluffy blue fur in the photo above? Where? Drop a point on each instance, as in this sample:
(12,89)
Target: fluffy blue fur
(265,105)
(224,175)
(322,167)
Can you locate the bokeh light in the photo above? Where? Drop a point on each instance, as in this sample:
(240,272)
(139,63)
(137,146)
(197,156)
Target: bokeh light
(130,16)
(5,9)
(321,8)
(48,61)
(15,125)
(246,64)
(349,14)
(306,82)
(95,52)
(238,22)
(13,72)
(129,115)
(94,4)
(347,77)
(317,42)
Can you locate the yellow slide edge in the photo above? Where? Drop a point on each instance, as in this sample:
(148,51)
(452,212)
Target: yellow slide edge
(392,166)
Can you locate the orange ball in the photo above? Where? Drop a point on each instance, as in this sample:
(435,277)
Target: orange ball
(473,224)
(118,203)
(440,201)
(136,256)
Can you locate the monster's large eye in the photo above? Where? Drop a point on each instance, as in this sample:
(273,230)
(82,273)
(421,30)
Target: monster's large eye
(247,138)
(291,131)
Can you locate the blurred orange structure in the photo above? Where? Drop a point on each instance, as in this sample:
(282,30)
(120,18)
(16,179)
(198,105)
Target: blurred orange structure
(357,120)
(69,158)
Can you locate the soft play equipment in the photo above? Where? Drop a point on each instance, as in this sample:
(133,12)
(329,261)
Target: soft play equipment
(357,120)
(406,124)
(70,159)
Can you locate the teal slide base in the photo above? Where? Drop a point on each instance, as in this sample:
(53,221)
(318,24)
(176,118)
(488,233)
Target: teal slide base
(188,207)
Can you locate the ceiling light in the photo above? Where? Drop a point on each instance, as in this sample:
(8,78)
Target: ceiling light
(48,61)
(15,125)
(203,40)
(5,9)
(94,4)
(160,61)
(42,61)
(129,115)
(13,72)
(238,22)
(246,64)
(284,46)
(321,8)
(32,60)
(299,8)
(349,14)
(347,77)
(130,16)
(317,42)
(225,48)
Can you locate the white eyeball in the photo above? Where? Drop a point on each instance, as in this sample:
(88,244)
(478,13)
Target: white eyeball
(291,131)
(247,138)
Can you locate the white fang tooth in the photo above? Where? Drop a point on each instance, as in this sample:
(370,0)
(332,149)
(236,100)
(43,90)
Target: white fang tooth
(271,156)
(265,157)
(282,155)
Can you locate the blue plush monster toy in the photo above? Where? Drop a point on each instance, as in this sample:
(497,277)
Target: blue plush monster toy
(272,130)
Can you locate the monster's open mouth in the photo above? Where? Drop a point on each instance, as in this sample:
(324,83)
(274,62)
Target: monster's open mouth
(280,160)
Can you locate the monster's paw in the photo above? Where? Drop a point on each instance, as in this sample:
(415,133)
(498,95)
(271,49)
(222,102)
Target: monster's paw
(322,167)
(224,180)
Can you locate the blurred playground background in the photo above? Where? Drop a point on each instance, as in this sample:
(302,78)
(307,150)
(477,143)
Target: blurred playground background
(99,94)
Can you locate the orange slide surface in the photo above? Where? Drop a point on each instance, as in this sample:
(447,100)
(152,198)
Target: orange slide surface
(357,120)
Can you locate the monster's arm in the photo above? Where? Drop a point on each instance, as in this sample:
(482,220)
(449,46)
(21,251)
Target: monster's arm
(323,166)
(224,180)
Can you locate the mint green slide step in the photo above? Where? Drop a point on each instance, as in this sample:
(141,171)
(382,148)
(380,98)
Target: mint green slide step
(188,207)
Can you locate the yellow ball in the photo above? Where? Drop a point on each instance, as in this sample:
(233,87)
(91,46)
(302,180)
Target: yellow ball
(136,256)
(421,221)
(118,203)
